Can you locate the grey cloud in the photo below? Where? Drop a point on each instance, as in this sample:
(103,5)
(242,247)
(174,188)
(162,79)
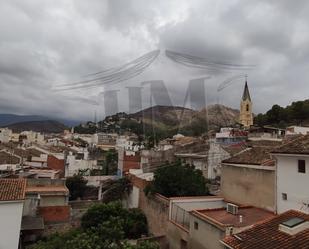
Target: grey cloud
(45,43)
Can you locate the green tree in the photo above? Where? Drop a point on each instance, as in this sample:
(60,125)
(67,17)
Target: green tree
(111,163)
(135,224)
(143,245)
(260,120)
(295,114)
(276,114)
(132,221)
(77,186)
(109,235)
(177,180)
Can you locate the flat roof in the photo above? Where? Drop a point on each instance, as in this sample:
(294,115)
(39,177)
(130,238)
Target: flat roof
(250,215)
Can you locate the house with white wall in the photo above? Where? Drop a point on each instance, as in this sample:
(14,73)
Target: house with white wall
(292,178)
(33,137)
(74,164)
(296,130)
(12,195)
(5,135)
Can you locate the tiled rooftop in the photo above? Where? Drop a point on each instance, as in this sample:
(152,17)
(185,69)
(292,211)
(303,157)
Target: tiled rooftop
(299,145)
(7,158)
(253,156)
(25,153)
(47,189)
(250,215)
(235,148)
(267,235)
(264,143)
(12,189)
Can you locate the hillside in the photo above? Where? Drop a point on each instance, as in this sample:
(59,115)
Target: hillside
(166,121)
(220,116)
(297,113)
(45,126)
(165,115)
(215,115)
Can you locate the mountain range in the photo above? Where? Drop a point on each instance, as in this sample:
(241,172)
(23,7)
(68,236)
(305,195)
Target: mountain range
(8,119)
(166,119)
(44,126)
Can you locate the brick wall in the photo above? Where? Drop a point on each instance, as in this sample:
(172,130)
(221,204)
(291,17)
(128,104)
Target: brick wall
(55,213)
(138,182)
(131,162)
(56,164)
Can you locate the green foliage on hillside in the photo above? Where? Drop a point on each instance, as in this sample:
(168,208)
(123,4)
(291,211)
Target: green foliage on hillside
(149,126)
(295,114)
(104,226)
(176,179)
(87,129)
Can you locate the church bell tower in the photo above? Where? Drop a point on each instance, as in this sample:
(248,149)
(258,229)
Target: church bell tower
(246,116)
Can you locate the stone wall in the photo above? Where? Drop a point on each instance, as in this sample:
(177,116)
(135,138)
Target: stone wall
(156,209)
(248,186)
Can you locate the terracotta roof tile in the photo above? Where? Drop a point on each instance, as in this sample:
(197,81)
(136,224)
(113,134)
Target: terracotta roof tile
(299,145)
(12,189)
(267,235)
(264,143)
(254,156)
(47,189)
(234,149)
(7,158)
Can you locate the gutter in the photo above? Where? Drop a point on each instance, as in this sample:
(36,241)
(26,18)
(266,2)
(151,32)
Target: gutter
(226,245)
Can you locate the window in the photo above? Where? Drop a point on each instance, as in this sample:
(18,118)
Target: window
(247,108)
(195,225)
(284,196)
(183,244)
(301,166)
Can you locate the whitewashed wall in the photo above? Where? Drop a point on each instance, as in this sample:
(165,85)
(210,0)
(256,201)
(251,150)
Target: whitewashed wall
(10,222)
(293,183)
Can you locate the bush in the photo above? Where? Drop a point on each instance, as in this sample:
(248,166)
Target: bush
(77,186)
(132,221)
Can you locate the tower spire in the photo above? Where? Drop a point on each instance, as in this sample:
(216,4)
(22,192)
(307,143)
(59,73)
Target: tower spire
(246,94)
(246,116)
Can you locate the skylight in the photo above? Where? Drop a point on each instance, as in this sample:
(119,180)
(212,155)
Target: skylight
(293,222)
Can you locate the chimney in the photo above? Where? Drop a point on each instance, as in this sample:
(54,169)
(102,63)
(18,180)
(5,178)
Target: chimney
(240,219)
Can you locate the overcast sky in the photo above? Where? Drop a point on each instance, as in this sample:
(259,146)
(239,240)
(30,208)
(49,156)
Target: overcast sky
(47,43)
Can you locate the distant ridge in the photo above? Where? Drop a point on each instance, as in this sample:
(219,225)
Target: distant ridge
(44,126)
(7,119)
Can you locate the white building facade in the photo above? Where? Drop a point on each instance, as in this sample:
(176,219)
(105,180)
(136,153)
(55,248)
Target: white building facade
(5,135)
(12,195)
(10,216)
(292,182)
